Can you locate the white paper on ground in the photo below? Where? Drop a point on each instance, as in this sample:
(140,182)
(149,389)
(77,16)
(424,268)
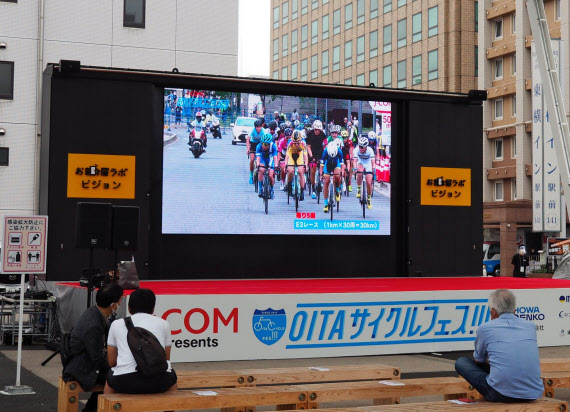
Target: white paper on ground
(316,368)
(205,393)
(392,383)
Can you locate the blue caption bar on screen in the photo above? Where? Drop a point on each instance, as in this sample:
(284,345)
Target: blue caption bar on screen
(327,224)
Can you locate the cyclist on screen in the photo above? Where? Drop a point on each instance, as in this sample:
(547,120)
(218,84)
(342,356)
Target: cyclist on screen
(347,154)
(314,148)
(282,149)
(331,164)
(251,142)
(364,159)
(266,156)
(297,156)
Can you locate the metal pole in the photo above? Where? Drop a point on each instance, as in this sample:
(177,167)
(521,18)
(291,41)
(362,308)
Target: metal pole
(20,328)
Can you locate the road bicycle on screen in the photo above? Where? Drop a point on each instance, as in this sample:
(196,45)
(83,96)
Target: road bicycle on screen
(255,178)
(294,190)
(363,193)
(265,188)
(318,184)
(333,199)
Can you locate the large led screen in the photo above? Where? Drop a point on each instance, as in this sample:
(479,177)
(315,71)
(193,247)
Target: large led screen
(212,192)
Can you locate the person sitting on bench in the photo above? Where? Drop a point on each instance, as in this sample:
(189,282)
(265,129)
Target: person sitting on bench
(507,365)
(124,376)
(89,366)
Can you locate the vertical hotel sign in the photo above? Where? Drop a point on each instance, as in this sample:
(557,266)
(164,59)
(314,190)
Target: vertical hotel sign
(100,176)
(546,201)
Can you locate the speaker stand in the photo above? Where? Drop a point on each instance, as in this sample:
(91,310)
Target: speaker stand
(90,278)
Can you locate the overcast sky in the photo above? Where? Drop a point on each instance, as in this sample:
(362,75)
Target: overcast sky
(253,38)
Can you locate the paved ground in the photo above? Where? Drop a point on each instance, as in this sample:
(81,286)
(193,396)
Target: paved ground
(44,379)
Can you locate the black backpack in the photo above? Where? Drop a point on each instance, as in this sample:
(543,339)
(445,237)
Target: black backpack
(146,349)
(65,349)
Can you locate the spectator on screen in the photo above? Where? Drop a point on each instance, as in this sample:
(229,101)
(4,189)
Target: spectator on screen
(89,365)
(124,376)
(506,365)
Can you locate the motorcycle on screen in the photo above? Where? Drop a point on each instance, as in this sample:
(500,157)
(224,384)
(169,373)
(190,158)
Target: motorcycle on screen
(215,129)
(196,141)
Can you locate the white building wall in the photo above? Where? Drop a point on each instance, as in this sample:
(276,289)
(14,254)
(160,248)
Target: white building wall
(195,37)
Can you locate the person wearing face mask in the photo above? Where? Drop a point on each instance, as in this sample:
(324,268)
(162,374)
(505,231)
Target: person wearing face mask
(520,263)
(89,365)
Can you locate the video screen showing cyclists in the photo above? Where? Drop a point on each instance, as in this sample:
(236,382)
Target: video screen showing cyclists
(296,155)
(314,148)
(266,156)
(252,141)
(331,163)
(365,160)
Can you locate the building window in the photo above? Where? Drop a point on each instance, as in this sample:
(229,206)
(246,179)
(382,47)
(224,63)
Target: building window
(348,16)
(360,80)
(275,49)
(513,23)
(284,73)
(315,4)
(373,9)
(401,3)
(513,106)
(387,6)
(276,17)
(326,27)
(432,65)
(373,75)
(336,22)
(348,81)
(285,45)
(499,68)
(498,109)
(6,80)
(476,16)
(304,70)
(387,34)
(325,63)
(304,7)
(387,76)
(514,65)
(134,13)
(314,31)
(348,53)
(416,27)
(285,12)
(336,58)
(276,75)
(304,36)
(514,189)
(476,61)
(416,70)
(314,66)
(498,149)
(432,21)
(402,74)
(360,49)
(499,191)
(498,29)
(360,12)
(514,147)
(294,9)
(402,33)
(294,41)
(373,44)
(325,2)
(294,71)
(557,7)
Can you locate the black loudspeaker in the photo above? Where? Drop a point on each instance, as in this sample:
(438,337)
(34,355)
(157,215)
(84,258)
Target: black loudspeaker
(93,225)
(125,227)
(69,66)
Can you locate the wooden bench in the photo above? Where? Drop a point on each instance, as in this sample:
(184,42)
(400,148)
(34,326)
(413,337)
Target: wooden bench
(555,365)
(68,393)
(304,396)
(540,405)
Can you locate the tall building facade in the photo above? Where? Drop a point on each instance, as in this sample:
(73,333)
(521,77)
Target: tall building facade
(413,44)
(136,34)
(505,63)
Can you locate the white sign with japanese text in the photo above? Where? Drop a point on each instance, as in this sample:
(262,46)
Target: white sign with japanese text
(384,110)
(551,199)
(240,327)
(537,146)
(25,244)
